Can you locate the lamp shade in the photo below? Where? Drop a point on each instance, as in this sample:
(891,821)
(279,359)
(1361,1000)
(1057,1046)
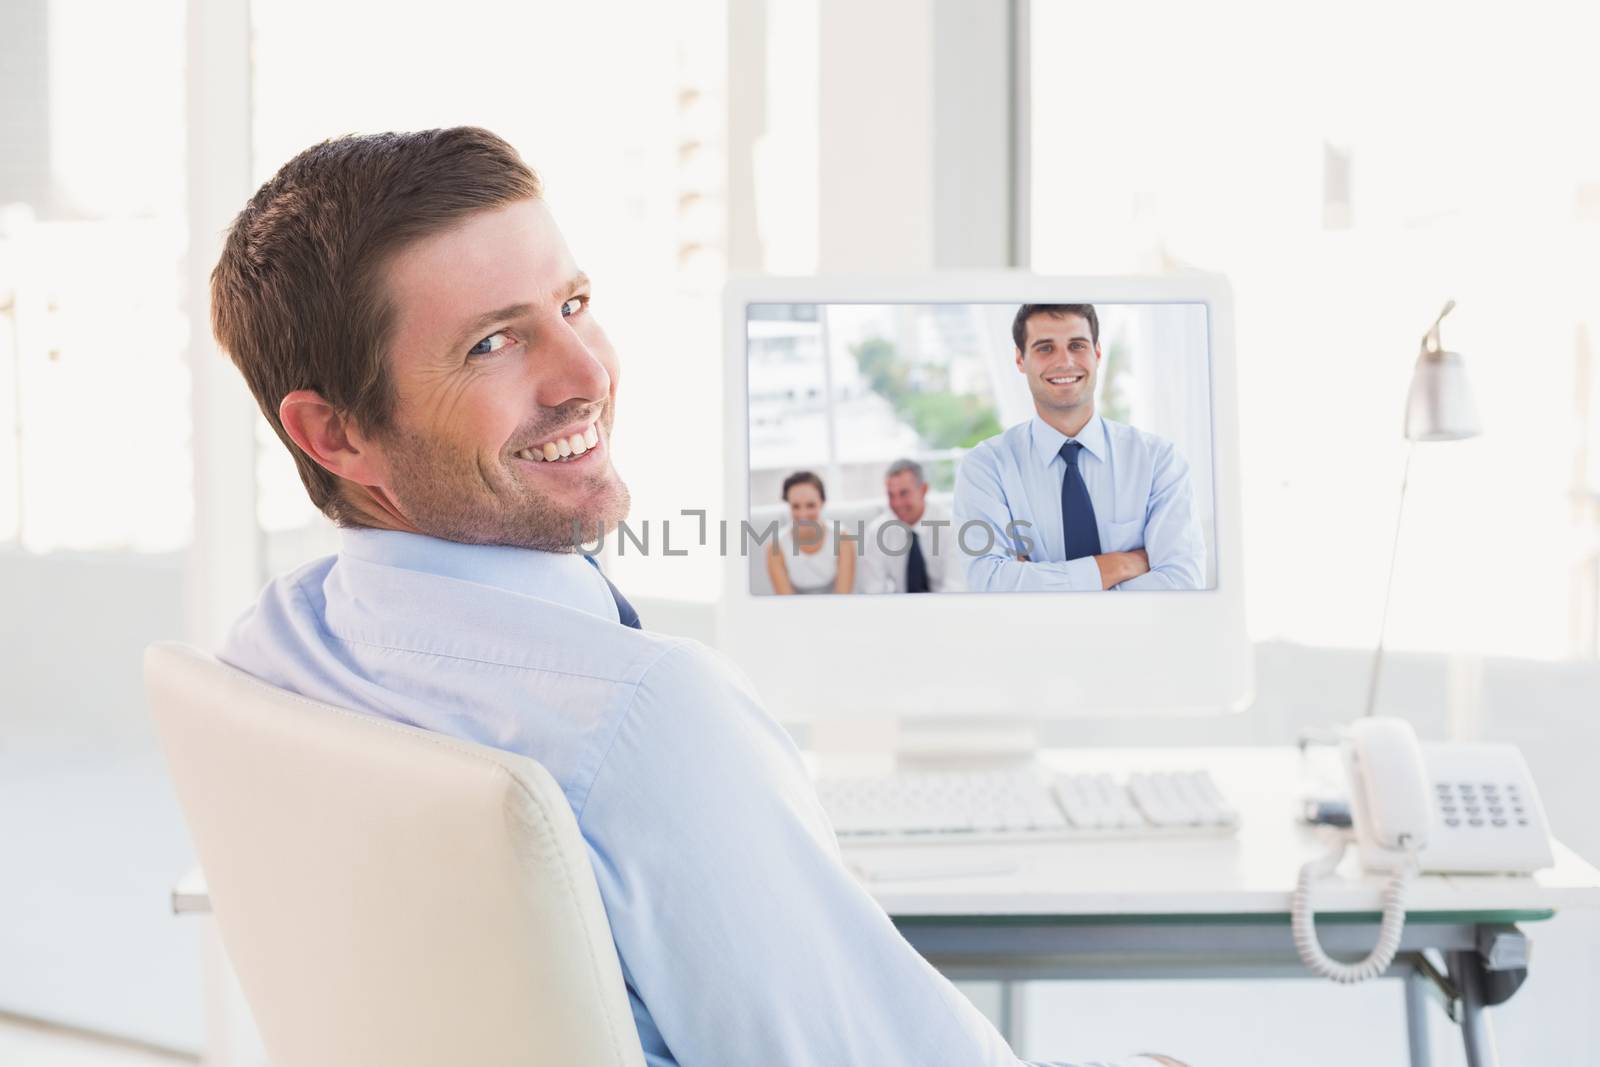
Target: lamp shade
(1440,406)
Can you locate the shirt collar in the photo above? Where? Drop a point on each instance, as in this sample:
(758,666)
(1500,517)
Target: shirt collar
(564,578)
(1047,440)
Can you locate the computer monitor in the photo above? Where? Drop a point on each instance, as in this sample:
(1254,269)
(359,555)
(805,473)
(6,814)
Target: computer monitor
(848,395)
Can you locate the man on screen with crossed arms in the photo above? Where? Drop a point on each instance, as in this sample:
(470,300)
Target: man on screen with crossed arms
(1096,504)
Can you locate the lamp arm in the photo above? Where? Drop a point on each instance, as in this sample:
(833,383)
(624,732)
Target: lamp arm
(1394,557)
(1430,340)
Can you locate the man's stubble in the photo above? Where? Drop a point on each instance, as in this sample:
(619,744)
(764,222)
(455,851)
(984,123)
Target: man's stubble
(455,498)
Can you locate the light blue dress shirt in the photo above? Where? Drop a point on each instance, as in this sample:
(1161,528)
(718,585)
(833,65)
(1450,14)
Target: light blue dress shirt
(1137,482)
(743,939)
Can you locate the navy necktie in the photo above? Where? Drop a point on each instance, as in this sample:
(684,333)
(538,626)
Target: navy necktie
(916,568)
(625,613)
(1077,513)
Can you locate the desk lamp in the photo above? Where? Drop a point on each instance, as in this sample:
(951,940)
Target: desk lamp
(1438,408)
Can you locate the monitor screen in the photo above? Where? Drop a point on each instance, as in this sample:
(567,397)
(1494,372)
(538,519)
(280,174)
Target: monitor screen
(980,447)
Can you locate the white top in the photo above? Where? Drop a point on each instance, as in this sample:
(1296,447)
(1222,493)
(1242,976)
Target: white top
(885,552)
(810,572)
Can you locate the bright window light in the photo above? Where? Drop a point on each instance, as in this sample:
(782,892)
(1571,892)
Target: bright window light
(1348,178)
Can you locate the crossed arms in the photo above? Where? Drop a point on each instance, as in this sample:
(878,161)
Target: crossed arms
(1170,553)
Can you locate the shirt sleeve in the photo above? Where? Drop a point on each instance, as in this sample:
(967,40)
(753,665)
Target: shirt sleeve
(743,938)
(1172,537)
(990,538)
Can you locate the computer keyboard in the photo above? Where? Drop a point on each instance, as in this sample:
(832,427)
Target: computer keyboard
(1023,804)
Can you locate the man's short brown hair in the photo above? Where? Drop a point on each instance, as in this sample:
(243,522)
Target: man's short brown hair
(298,300)
(1019,325)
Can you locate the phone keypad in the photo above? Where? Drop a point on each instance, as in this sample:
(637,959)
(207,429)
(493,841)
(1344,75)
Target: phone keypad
(1479,804)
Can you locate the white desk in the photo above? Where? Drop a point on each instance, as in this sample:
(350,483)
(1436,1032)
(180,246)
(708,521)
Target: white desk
(1216,907)
(1213,907)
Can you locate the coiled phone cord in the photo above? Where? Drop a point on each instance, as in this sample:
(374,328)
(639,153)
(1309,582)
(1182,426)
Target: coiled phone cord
(1302,920)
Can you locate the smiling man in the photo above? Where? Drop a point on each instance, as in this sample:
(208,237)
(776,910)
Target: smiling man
(417,332)
(1099,505)
(912,549)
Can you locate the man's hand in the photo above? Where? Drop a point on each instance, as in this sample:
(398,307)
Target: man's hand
(1117,567)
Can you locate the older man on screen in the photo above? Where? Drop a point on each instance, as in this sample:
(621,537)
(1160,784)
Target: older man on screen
(912,549)
(416,330)
(1071,500)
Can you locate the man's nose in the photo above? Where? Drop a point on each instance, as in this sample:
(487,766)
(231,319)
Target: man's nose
(567,369)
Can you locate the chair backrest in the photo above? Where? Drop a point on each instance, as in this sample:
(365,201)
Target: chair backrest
(387,895)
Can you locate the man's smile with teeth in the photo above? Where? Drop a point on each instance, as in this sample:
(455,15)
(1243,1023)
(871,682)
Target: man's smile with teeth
(562,449)
(1065,379)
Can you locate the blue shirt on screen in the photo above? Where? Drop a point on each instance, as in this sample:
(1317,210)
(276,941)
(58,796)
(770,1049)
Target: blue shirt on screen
(743,938)
(1138,484)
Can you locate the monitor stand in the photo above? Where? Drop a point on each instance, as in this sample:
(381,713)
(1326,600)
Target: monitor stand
(943,743)
(982,742)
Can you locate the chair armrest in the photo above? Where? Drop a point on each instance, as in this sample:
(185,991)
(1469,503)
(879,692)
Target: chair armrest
(191,896)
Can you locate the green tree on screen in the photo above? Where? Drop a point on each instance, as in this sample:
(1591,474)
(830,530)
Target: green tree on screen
(941,418)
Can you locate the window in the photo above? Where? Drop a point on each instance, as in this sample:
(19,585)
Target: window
(94,393)
(1350,177)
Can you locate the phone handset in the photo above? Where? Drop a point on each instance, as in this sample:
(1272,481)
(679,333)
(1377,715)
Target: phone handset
(1390,809)
(1390,806)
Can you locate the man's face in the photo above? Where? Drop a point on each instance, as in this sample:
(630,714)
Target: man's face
(908,496)
(497,360)
(1060,361)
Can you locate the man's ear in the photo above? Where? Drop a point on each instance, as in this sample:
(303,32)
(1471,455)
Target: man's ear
(328,436)
(1019,359)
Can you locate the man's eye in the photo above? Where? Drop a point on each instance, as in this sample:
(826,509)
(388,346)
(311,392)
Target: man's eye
(573,305)
(491,344)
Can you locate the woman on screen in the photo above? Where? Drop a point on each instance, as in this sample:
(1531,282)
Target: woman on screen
(806,556)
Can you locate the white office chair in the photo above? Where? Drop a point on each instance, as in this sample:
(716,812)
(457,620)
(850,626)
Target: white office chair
(389,896)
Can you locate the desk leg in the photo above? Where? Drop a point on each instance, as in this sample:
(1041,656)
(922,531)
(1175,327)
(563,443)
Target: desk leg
(1013,1013)
(1466,972)
(1417,1019)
